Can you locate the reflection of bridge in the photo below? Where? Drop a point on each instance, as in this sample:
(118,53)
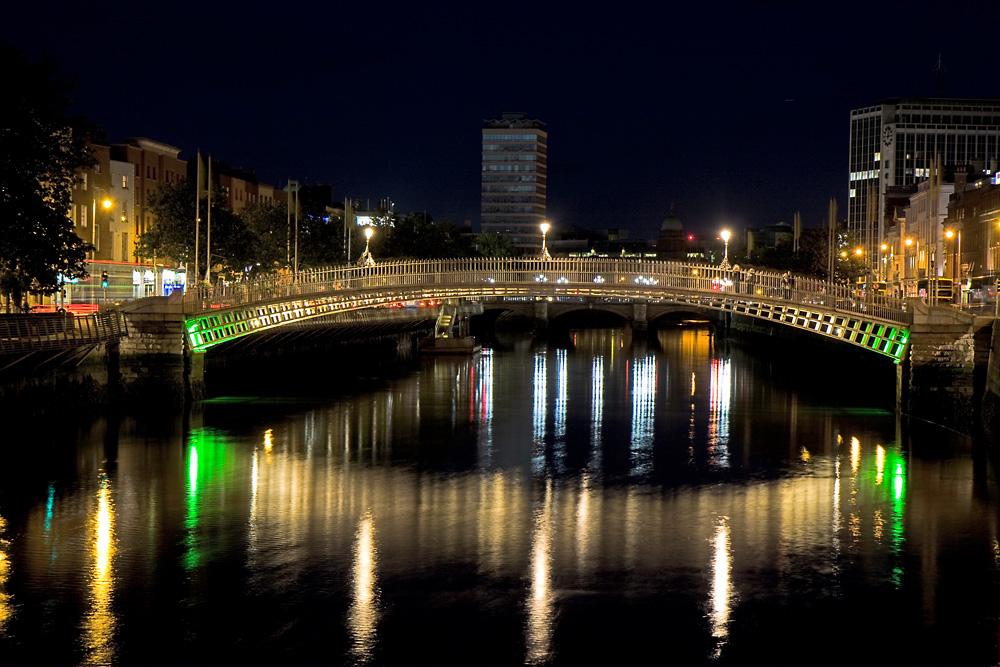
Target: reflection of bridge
(645,288)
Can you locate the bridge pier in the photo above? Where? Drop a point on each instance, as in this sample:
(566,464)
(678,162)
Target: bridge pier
(945,371)
(541,316)
(155,361)
(639,323)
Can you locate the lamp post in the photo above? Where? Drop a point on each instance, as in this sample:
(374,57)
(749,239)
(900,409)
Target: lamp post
(106,204)
(366,258)
(725,257)
(909,242)
(545,251)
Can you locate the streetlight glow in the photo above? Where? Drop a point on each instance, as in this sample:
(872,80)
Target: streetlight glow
(725,257)
(545,251)
(106,203)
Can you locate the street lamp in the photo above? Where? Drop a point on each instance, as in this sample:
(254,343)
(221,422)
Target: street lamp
(106,204)
(366,258)
(545,251)
(725,257)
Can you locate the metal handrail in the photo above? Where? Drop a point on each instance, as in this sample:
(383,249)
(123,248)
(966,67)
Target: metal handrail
(598,277)
(57,331)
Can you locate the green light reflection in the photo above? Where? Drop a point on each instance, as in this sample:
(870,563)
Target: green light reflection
(208,464)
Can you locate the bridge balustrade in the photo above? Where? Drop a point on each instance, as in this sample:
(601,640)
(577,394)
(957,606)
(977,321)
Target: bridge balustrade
(599,277)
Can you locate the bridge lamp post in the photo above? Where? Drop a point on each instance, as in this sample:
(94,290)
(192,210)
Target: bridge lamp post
(725,257)
(545,251)
(366,258)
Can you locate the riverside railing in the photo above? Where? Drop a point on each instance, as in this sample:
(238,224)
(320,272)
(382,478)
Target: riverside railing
(22,333)
(597,277)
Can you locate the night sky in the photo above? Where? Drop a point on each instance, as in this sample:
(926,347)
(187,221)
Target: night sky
(735,112)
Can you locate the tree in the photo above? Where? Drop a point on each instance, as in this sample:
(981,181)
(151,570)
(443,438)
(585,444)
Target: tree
(41,150)
(416,235)
(172,235)
(266,223)
(491,244)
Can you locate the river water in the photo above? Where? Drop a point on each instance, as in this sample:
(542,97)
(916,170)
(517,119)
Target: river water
(601,501)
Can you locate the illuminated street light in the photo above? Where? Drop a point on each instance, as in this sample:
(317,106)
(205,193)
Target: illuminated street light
(366,258)
(545,250)
(725,257)
(858,252)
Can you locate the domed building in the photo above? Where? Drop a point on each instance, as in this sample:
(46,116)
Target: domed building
(671,244)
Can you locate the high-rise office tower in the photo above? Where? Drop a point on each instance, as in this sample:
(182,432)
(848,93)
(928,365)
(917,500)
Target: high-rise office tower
(515,151)
(895,144)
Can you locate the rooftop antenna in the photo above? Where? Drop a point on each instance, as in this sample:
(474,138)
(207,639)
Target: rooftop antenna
(939,79)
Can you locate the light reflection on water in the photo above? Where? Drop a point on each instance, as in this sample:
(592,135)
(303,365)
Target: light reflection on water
(362,618)
(561,492)
(99,623)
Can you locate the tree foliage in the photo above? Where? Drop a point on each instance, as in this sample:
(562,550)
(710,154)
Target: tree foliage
(811,259)
(41,149)
(491,244)
(416,235)
(172,235)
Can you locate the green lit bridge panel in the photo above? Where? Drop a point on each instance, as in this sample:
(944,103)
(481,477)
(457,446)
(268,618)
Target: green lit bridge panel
(879,324)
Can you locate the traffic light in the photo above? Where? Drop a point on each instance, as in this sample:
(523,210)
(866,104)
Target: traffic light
(104,279)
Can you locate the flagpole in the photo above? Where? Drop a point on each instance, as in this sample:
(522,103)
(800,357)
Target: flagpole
(197,213)
(208,233)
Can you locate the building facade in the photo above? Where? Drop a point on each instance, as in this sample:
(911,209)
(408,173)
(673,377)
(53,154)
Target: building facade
(514,173)
(153,164)
(896,143)
(974,220)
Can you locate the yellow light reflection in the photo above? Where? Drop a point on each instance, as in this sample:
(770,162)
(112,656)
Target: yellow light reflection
(99,623)
(540,602)
(268,439)
(805,455)
(878,524)
(363,615)
(722,584)
(855,455)
(692,383)
(6,599)
(879,464)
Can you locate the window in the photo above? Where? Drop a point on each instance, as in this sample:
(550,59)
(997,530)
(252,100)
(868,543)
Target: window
(124,181)
(83,216)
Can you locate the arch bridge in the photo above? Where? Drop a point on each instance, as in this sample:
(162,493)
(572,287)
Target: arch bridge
(221,313)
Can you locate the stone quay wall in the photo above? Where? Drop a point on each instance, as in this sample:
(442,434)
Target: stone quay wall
(947,362)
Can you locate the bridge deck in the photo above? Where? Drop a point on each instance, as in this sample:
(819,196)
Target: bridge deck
(877,323)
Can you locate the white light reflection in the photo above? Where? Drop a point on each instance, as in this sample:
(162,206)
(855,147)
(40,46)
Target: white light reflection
(538,413)
(643,411)
(485,390)
(99,623)
(362,619)
(596,411)
(561,395)
(718,422)
(722,584)
(540,603)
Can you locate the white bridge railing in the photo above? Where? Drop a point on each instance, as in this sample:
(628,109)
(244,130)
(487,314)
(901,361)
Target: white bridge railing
(595,277)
